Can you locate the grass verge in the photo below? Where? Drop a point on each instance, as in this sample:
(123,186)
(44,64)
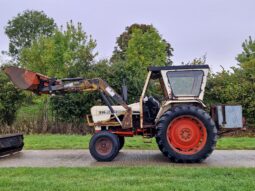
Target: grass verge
(127,178)
(39,142)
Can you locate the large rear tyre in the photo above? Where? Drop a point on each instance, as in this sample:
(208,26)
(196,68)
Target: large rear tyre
(104,146)
(186,134)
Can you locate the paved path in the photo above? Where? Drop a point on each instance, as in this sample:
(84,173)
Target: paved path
(82,158)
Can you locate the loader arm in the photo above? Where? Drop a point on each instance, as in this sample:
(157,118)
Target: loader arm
(41,84)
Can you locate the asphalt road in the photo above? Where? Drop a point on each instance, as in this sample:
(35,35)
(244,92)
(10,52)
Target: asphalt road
(82,158)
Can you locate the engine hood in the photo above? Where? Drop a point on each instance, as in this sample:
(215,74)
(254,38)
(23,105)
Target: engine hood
(103,113)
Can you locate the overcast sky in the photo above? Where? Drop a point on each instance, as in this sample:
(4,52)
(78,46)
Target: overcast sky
(216,28)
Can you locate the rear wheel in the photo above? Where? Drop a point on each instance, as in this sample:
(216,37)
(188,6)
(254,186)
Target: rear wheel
(104,146)
(186,134)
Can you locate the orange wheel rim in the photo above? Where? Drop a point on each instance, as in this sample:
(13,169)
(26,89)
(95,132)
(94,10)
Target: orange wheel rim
(186,135)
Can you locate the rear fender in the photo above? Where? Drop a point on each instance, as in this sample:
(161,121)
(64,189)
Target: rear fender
(168,104)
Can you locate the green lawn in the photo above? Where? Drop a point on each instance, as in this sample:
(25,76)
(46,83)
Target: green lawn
(127,178)
(82,142)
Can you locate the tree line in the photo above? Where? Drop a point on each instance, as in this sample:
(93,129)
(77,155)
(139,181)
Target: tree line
(38,44)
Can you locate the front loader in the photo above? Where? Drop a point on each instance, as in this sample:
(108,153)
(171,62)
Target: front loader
(184,131)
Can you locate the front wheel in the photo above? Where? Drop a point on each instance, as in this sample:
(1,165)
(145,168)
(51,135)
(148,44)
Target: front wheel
(186,134)
(122,141)
(104,146)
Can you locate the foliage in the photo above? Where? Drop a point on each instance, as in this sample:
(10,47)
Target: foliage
(66,53)
(37,44)
(10,100)
(137,48)
(237,86)
(119,52)
(72,107)
(197,61)
(26,27)
(245,78)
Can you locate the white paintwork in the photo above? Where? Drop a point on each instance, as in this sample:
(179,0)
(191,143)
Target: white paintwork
(103,113)
(168,88)
(110,91)
(167,105)
(69,85)
(142,97)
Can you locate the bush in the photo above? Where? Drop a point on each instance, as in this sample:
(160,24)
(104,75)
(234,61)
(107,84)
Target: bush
(72,107)
(10,100)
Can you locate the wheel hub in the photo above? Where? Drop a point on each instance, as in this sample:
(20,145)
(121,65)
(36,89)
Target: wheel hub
(104,146)
(186,135)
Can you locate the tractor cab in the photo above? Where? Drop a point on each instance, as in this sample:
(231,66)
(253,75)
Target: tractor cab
(164,88)
(176,85)
(180,82)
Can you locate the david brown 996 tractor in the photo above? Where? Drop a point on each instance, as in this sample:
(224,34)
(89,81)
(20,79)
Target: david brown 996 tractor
(184,131)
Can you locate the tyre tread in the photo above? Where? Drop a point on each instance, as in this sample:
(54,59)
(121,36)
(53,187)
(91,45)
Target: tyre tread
(162,125)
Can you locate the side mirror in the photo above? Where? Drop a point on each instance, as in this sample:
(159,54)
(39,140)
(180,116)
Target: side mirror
(124,93)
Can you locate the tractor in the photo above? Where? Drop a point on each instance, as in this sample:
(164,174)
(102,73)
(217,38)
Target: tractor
(184,131)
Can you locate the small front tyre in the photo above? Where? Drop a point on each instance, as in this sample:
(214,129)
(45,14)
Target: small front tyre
(104,146)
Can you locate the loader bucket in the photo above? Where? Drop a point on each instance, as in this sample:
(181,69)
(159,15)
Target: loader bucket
(24,79)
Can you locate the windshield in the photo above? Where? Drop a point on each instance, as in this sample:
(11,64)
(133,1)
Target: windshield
(185,83)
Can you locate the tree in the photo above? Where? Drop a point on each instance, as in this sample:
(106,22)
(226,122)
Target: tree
(248,53)
(137,48)
(236,86)
(26,27)
(73,107)
(197,61)
(119,53)
(67,53)
(245,76)
(10,100)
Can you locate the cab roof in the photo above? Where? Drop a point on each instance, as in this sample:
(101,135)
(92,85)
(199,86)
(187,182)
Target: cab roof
(156,69)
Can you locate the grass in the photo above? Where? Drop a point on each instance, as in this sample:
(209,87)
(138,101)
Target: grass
(30,110)
(56,142)
(33,109)
(127,178)
(35,142)
(228,143)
